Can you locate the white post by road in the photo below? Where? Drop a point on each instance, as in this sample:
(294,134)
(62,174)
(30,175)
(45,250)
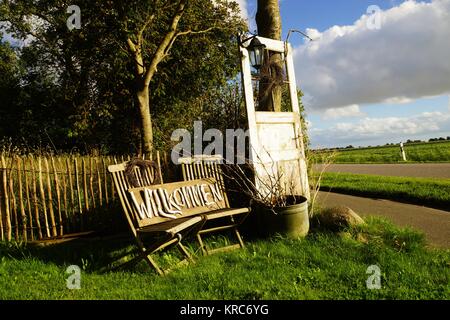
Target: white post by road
(402,151)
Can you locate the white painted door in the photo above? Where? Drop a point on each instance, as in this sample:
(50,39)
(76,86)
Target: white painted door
(276,144)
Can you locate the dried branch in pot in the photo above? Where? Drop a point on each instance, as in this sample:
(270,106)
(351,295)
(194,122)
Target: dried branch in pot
(269,189)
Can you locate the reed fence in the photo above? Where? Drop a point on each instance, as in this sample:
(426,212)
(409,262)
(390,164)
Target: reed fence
(47,197)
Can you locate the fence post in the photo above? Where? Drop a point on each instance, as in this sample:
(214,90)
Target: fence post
(78,190)
(35,198)
(85,192)
(50,199)
(91,182)
(44,197)
(12,201)
(27,174)
(8,227)
(3,215)
(58,195)
(402,151)
(72,204)
(21,199)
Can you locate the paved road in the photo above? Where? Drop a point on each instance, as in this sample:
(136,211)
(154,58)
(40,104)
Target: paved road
(434,223)
(425,170)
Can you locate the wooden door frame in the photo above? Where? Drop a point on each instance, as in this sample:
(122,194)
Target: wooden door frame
(286,49)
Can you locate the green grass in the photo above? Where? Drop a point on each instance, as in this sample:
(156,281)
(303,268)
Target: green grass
(418,152)
(322,266)
(429,192)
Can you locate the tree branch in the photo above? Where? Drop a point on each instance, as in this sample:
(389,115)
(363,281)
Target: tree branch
(131,45)
(144,27)
(184,33)
(167,40)
(136,49)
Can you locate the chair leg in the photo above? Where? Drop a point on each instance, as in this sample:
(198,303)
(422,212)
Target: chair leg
(145,253)
(142,255)
(236,231)
(185,252)
(207,251)
(238,235)
(202,245)
(188,258)
(153,264)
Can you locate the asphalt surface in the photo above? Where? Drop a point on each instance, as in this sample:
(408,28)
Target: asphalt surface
(423,170)
(434,223)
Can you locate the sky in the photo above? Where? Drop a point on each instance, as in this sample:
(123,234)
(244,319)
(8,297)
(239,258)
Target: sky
(370,79)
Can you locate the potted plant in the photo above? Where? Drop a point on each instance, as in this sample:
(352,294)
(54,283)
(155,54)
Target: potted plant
(290,219)
(278,209)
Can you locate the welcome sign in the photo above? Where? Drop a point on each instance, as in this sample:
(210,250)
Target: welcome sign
(177,199)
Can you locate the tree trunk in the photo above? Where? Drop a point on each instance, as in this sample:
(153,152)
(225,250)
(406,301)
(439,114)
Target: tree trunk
(268,20)
(144,74)
(143,98)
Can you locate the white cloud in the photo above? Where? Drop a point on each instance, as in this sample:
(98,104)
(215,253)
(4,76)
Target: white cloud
(408,58)
(343,112)
(243,6)
(383,129)
(398,100)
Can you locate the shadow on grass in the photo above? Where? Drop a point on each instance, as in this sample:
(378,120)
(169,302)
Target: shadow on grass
(90,254)
(97,254)
(100,254)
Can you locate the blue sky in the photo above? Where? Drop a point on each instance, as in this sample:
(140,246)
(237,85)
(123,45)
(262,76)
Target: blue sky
(321,14)
(370,87)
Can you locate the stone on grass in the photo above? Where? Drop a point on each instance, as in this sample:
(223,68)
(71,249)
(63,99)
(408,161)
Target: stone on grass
(360,237)
(345,235)
(339,218)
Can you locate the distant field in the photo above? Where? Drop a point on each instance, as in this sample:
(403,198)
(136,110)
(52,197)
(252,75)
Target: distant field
(417,152)
(422,191)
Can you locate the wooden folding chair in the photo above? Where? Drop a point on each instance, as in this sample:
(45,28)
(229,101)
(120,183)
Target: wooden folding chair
(204,167)
(158,233)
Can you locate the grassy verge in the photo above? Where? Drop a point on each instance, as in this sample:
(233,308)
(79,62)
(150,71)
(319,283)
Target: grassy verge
(322,266)
(428,192)
(419,152)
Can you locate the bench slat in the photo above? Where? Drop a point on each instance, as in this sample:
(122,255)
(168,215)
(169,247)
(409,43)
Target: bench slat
(148,215)
(171,226)
(225,213)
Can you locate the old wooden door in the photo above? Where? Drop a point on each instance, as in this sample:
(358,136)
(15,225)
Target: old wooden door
(276,138)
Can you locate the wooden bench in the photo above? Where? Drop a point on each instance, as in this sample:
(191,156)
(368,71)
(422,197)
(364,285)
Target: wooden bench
(164,214)
(209,167)
(158,233)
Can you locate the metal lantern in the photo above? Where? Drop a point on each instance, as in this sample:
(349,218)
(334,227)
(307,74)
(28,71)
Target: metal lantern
(256,52)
